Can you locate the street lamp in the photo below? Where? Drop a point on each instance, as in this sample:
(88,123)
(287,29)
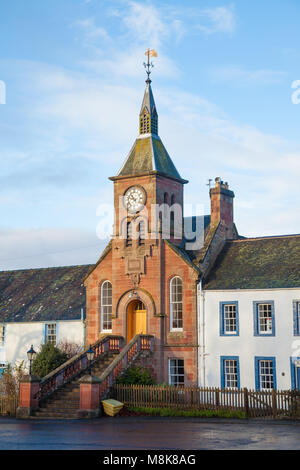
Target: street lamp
(31,355)
(90,356)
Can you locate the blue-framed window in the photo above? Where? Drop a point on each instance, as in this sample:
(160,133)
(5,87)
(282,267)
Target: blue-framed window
(230,372)
(295,373)
(265,373)
(296,317)
(264,318)
(229,319)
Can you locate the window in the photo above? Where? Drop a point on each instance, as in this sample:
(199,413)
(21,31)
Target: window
(2,335)
(166,204)
(172,213)
(176,303)
(176,372)
(296,312)
(265,376)
(129,234)
(230,372)
(50,333)
(106,306)
(295,373)
(229,324)
(264,321)
(142,233)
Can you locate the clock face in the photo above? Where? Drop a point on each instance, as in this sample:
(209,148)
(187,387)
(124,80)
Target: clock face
(134,199)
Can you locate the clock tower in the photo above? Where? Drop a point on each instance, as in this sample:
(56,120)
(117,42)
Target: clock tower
(148,190)
(128,291)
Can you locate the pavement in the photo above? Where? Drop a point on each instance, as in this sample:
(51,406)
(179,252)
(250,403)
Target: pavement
(148,433)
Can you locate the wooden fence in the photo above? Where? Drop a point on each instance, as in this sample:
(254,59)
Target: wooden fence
(273,403)
(8,405)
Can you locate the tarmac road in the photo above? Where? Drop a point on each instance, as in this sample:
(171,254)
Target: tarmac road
(148,433)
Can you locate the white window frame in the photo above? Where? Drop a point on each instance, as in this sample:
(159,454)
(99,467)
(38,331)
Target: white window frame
(47,334)
(267,319)
(230,320)
(2,336)
(102,306)
(231,373)
(297,318)
(176,375)
(271,378)
(175,302)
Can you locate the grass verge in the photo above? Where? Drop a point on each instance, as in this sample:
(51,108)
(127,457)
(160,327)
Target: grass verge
(189,413)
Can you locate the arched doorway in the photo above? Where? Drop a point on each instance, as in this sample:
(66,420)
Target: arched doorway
(136,319)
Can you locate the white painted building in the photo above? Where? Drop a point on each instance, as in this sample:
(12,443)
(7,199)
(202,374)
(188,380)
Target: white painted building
(37,306)
(18,337)
(249,316)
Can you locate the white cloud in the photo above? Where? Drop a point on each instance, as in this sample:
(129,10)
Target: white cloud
(144,23)
(106,118)
(39,248)
(88,116)
(243,76)
(218,20)
(91,31)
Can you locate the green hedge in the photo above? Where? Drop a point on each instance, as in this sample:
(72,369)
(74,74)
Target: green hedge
(189,413)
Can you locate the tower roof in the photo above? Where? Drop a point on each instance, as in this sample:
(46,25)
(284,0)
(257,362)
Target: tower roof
(148,154)
(148,101)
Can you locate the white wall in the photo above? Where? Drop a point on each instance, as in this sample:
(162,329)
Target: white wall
(20,336)
(246,346)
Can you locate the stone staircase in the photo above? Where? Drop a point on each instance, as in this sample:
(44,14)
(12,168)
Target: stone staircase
(57,395)
(64,402)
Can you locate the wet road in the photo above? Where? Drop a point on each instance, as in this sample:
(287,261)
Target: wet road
(151,433)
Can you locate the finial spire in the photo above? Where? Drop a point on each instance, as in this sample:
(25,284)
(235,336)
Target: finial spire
(149,65)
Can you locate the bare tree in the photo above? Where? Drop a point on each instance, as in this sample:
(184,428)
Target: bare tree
(71,348)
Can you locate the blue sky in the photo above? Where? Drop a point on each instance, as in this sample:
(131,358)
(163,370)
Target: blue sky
(74,85)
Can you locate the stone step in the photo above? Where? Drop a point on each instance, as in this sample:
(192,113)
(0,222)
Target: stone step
(59,409)
(64,402)
(60,404)
(57,414)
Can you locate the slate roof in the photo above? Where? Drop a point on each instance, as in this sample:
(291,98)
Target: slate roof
(148,100)
(257,263)
(148,154)
(42,294)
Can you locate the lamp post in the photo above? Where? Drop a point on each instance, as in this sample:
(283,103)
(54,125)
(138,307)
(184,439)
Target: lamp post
(31,355)
(90,355)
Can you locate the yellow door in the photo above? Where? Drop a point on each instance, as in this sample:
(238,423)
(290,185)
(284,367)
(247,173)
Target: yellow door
(136,319)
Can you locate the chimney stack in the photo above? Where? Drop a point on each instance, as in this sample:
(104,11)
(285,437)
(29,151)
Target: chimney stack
(221,201)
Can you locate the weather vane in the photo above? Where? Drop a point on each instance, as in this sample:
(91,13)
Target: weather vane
(148,65)
(209,183)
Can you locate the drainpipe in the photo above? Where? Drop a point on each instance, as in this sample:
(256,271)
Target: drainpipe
(84,326)
(201,334)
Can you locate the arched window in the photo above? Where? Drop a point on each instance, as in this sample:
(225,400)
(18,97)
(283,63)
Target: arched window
(129,234)
(176,303)
(166,204)
(106,306)
(142,232)
(172,218)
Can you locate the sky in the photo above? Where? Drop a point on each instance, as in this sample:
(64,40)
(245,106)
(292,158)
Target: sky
(72,75)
